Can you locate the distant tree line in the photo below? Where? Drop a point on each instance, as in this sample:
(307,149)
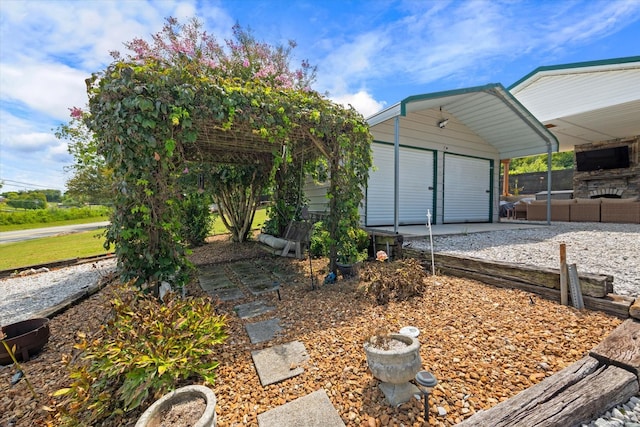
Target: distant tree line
(559,161)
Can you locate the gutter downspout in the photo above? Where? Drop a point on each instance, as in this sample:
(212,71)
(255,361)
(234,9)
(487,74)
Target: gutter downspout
(396,175)
(548,184)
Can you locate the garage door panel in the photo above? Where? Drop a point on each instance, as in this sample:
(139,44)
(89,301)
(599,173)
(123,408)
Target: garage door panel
(467,193)
(416,176)
(415,197)
(380,186)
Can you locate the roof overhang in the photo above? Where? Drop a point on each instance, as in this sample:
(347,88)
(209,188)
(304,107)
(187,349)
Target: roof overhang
(490,111)
(584,102)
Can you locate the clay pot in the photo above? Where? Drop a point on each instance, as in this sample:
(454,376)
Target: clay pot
(152,417)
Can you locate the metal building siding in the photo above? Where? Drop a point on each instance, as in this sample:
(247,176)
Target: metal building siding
(416,176)
(467,189)
(380,186)
(416,185)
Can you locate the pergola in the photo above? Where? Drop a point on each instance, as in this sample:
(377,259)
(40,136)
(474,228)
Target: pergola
(151,120)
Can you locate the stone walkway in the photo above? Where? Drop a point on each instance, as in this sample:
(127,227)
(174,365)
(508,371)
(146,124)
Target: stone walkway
(276,363)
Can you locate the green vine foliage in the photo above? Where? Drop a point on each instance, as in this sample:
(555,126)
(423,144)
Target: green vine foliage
(140,114)
(147,116)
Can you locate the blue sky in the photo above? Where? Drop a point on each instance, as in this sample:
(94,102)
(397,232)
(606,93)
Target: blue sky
(369,53)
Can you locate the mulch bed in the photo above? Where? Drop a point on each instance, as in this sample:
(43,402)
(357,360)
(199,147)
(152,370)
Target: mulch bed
(483,344)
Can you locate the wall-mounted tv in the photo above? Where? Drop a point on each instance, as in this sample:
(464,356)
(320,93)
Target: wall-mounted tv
(606,158)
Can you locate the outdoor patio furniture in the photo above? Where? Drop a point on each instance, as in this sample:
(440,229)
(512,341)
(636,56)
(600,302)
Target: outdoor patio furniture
(585,210)
(537,210)
(620,210)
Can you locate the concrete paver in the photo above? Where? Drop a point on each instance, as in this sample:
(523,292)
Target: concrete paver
(280,362)
(312,410)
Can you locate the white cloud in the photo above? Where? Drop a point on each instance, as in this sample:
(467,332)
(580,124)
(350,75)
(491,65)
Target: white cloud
(29,142)
(362,101)
(45,87)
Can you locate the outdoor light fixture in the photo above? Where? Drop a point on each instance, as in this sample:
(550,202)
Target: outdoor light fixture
(426,382)
(443,123)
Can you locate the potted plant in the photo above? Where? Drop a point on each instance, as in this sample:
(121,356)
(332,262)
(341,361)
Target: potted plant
(193,405)
(352,249)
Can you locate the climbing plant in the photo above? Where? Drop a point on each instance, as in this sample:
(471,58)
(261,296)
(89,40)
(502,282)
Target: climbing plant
(154,112)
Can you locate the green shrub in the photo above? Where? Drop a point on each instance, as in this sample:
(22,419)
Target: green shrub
(320,239)
(196,218)
(43,216)
(147,349)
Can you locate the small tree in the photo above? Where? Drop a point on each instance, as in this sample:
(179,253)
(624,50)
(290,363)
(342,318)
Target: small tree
(92,180)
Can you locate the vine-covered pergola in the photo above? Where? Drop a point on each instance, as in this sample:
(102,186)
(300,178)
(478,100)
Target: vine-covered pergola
(153,121)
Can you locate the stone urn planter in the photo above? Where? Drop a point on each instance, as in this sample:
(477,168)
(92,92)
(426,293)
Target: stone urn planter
(394,359)
(194,402)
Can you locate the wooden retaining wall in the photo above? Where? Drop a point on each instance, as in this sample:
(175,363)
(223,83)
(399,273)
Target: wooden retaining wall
(605,378)
(597,290)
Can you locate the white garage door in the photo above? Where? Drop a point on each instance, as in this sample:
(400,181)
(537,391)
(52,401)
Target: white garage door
(467,189)
(416,186)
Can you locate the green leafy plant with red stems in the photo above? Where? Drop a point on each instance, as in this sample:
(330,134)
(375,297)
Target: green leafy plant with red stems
(146,349)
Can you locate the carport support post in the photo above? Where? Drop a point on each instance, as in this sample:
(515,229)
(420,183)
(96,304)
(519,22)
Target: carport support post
(548,183)
(396,175)
(505,176)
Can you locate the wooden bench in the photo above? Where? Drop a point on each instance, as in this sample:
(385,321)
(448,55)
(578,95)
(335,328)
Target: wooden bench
(292,244)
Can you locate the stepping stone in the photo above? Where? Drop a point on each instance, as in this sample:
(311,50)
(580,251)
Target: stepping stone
(312,410)
(261,287)
(215,282)
(280,362)
(252,309)
(263,331)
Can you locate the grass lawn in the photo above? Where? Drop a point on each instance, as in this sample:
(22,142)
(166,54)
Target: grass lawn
(49,249)
(76,245)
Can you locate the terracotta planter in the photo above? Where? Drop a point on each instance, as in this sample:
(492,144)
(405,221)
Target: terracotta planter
(395,367)
(153,416)
(28,336)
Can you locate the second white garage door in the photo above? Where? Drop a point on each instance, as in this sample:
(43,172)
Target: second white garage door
(467,189)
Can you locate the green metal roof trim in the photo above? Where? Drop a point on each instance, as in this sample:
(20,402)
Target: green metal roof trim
(502,98)
(614,61)
(444,94)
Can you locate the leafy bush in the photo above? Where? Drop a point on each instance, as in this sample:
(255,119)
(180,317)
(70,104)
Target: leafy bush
(144,351)
(196,218)
(393,281)
(351,249)
(51,215)
(320,239)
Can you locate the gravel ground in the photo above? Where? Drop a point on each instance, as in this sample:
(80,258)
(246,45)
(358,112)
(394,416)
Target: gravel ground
(599,248)
(484,344)
(23,296)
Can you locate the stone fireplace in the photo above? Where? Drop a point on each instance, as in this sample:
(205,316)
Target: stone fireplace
(615,183)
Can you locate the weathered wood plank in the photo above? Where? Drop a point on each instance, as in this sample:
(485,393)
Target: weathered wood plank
(572,396)
(621,347)
(634,310)
(593,285)
(611,304)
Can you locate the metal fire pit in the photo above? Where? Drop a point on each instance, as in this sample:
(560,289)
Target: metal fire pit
(28,336)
